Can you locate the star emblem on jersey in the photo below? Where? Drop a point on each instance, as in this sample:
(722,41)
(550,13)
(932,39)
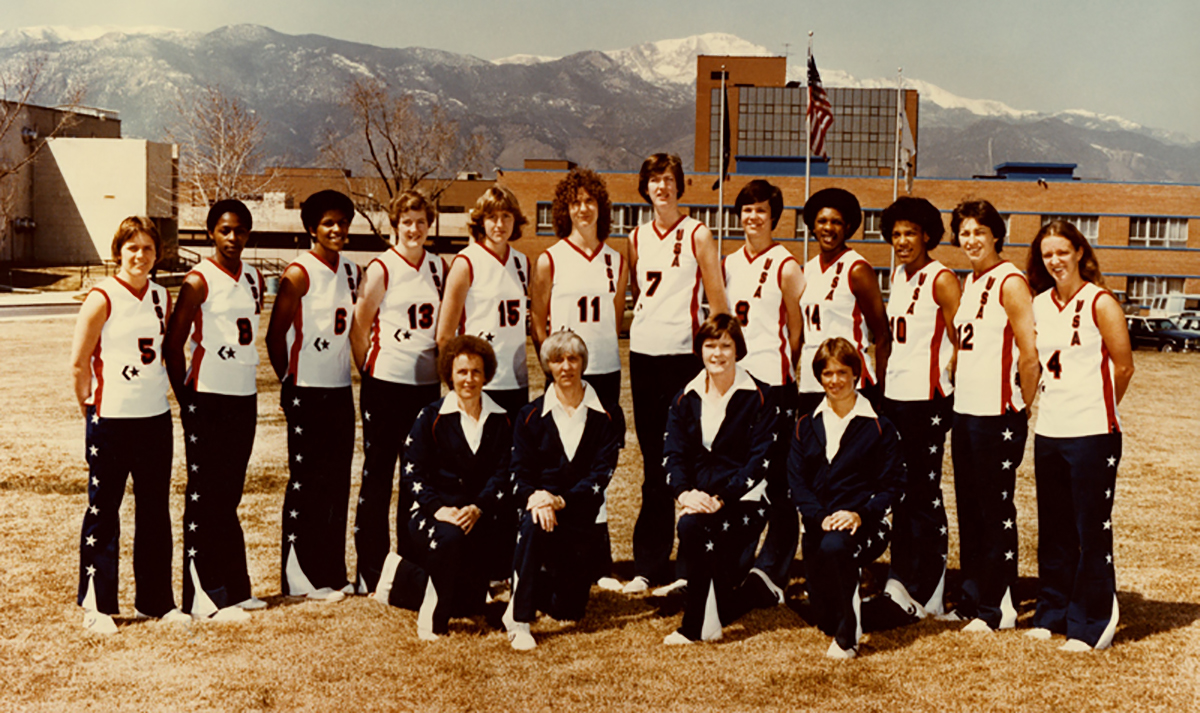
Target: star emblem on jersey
(226,353)
(130,372)
(320,344)
(407,335)
(489,336)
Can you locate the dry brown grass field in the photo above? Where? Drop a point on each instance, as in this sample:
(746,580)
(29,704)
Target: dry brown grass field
(359,655)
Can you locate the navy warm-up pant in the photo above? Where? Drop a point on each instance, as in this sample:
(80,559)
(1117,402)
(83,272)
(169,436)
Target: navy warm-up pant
(320,424)
(118,448)
(987,451)
(920,537)
(218,436)
(552,572)
(655,381)
(833,563)
(711,547)
(783,522)
(1076,483)
(388,410)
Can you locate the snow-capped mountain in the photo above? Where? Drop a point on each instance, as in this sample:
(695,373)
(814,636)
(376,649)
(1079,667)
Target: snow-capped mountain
(603,109)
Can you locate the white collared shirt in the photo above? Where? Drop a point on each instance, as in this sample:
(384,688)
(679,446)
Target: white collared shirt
(835,426)
(713,404)
(472,428)
(570,428)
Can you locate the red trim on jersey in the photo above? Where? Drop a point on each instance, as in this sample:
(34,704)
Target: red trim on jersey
(750,259)
(1110,393)
(695,306)
(193,375)
(417,266)
(1061,307)
(98,370)
(784,362)
(867,379)
(501,260)
(692,238)
(935,351)
(470,268)
(374,352)
(138,296)
(332,268)
(654,224)
(221,267)
(1006,365)
(579,250)
(993,267)
(821,259)
(779,273)
(107,301)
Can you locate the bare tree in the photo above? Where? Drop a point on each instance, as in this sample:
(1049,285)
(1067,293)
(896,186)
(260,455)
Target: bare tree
(401,146)
(19,89)
(220,146)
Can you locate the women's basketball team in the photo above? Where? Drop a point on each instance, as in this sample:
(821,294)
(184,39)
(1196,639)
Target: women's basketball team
(770,415)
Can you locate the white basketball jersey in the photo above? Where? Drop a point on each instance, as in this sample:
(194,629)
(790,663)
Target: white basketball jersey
(224,355)
(987,378)
(754,287)
(667,314)
(318,340)
(403,342)
(1078,395)
(495,310)
(830,310)
(919,366)
(581,299)
(129,379)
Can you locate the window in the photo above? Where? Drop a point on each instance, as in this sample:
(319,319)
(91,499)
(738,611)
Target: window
(1158,232)
(1089,225)
(545,218)
(871,225)
(627,217)
(708,216)
(884,275)
(1141,290)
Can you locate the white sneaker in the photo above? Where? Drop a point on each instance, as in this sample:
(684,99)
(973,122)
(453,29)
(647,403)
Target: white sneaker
(176,617)
(679,585)
(837,652)
(637,585)
(426,634)
(383,588)
(1038,633)
(252,604)
(1075,646)
(521,638)
(675,638)
(949,616)
(98,623)
(230,614)
(348,589)
(978,626)
(325,594)
(898,593)
(609,584)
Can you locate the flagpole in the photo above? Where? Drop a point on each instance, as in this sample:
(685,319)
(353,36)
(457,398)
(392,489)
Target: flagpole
(808,141)
(896,166)
(721,177)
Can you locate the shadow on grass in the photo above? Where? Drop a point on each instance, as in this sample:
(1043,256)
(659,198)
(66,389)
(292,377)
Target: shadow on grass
(1143,618)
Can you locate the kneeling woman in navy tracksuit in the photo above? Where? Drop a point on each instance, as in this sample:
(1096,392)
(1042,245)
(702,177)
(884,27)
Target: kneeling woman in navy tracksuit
(456,469)
(565,448)
(720,430)
(845,470)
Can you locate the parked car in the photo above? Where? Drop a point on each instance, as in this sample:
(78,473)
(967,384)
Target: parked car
(1189,323)
(1162,334)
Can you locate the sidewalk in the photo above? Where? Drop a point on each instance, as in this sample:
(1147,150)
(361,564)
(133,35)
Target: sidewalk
(38,305)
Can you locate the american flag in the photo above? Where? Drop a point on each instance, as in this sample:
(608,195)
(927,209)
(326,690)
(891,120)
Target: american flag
(820,111)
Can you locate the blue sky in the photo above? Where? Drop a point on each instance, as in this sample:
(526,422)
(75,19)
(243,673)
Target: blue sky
(1137,60)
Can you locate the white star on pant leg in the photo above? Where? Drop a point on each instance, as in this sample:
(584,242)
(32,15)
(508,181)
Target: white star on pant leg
(665,461)
(195,468)
(95,481)
(1108,494)
(296,485)
(95,418)
(292,537)
(194,496)
(943,529)
(295,402)
(766,463)
(1008,524)
(1108,524)
(294,514)
(1108,559)
(708,546)
(408,467)
(1008,555)
(191,552)
(518,537)
(932,450)
(191,408)
(1007,465)
(421,524)
(933,475)
(355,529)
(762,512)
(774,437)
(90,540)
(1008,434)
(1004,495)
(298,430)
(94,450)
(192,438)
(366,415)
(937,502)
(596,488)
(416,488)
(91,570)
(746,520)
(299,457)
(192,527)
(936,420)
(408,442)
(749,482)
(1112,461)
(725,526)
(360,500)
(431,531)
